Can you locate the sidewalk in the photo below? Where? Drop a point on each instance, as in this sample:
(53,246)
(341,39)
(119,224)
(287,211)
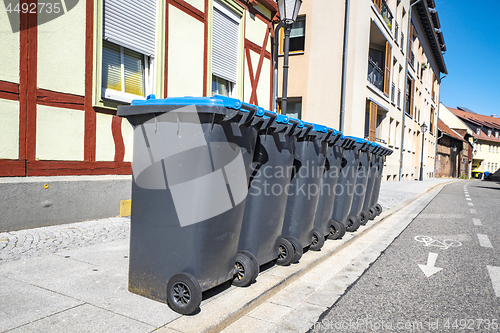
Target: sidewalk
(74,278)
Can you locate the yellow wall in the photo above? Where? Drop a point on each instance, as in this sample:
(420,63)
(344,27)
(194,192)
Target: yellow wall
(198,4)
(256,30)
(9,50)
(105,145)
(9,129)
(128,140)
(61,52)
(185,54)
(59,134)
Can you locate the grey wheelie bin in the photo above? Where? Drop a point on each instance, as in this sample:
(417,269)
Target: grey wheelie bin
(344,191)
(367,210)
(260,236)
(305,186)
(333,163)
(191,167)
(382,154)
(354,218)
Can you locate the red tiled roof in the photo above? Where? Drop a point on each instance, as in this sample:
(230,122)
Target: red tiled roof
(480,120)
(445,129)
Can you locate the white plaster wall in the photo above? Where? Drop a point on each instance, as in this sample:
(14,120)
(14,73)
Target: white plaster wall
(198,4)
(61,52)
(128,140)
(264,87)
(9,50)
(247,89)
(59,134)
(105,145)
(9,129)
(256,30)
(185,55)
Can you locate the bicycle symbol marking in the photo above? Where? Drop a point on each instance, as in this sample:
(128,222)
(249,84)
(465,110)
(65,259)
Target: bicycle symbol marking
(444,244)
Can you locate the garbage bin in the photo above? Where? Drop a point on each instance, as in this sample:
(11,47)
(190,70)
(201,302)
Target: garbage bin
(368,211)
(354,219)
(191,166)
(333,163)
(344,191)
(266,201)
(381,156)
(305,186)
(477,174)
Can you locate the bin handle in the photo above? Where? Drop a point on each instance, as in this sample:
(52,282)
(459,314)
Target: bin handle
(252,109)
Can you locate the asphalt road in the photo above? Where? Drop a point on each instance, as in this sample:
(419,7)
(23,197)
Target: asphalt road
(456,242)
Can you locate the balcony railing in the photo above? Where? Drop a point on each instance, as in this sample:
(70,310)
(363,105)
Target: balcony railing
(387,14)
(375,75)
(393,92)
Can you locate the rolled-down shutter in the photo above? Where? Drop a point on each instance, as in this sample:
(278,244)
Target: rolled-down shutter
(131,24)
(372,129)
(225,43)
(388,64)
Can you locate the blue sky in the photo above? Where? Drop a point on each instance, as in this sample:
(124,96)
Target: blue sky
(472,35)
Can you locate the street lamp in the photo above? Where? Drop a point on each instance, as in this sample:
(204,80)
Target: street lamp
(423,128)
(288,9)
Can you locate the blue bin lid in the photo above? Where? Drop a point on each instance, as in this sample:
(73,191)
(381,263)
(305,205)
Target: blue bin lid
(282,119)
(216,100)
(320,128)
(358,140)
(301,123)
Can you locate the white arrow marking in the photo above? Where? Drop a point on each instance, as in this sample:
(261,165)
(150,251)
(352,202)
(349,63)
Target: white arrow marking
(495,278)
(429,269)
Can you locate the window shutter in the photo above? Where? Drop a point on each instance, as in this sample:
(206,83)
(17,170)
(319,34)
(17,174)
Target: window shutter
(131,24)
(412,98)
(372,130)
(225,44)
(410,39)
(388,64)
(378,3)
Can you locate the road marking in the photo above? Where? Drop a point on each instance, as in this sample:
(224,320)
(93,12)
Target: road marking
(441,216)
(470,204)
(473,211)
(495,278)
(444,245)
(469,199)
(484,241)
(429,269)
(477,221)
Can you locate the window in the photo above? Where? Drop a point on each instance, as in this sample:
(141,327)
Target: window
(225,50)
(297,36)
(293,107)
(496,134)
(410,99)
(478,131)
(431,126)
(128,50)
(489,132)
(489,166)
(489,148)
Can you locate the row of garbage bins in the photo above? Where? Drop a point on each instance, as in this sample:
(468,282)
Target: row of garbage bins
(221,187)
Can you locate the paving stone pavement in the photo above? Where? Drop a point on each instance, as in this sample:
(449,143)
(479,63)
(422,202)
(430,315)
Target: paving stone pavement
(15,245)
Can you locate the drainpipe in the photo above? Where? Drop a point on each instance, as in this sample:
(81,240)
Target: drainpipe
(275,66)
(344,66)
(439,107)
(406,89)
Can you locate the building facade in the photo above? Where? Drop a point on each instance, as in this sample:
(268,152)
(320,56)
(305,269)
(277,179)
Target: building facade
(371,68)
(63,76)
(484,132)
(454,153)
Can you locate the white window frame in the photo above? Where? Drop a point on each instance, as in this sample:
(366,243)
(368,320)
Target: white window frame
(122,96)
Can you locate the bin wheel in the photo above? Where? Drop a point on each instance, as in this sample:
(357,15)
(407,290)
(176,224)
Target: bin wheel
(379,209)
(363,218)
(337,230)
(244,270)
(353,224)
(318,240)
(255,263)
(285,252)
(298,250)
(183,293)
(372,213)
